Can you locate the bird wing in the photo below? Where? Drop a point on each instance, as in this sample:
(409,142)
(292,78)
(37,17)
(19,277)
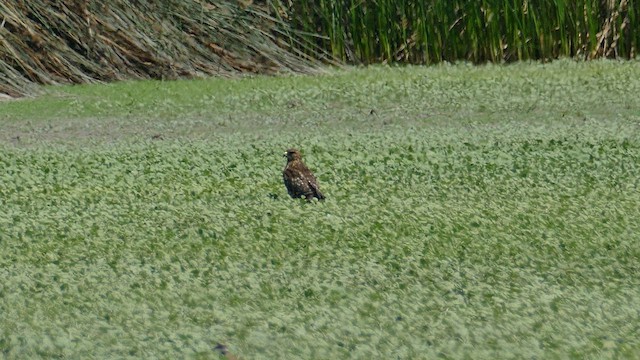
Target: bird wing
(312,183)
(295,182)
(316,189)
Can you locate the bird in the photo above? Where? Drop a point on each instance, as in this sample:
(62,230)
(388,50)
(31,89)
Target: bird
(298,179)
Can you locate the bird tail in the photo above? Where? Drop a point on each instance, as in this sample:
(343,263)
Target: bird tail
(317,193)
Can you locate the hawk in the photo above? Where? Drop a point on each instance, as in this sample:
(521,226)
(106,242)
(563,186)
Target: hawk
(298,179)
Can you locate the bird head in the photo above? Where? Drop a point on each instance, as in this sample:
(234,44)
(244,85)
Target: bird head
(292,154)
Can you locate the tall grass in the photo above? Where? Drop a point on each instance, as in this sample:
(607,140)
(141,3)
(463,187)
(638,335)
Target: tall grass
(479,31)
(62,42)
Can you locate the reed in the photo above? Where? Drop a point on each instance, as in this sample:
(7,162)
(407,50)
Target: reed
(362,31)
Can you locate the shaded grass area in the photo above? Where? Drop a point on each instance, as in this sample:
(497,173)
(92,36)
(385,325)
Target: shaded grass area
(457,223)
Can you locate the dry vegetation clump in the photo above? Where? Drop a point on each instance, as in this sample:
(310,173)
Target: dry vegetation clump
(84,41)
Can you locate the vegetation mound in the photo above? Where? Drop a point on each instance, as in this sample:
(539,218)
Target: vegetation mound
(84,41)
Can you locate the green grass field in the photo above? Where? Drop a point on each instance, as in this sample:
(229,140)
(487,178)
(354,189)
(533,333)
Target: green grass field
(473,212)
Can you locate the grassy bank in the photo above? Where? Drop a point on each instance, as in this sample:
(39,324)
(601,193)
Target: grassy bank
(472,211)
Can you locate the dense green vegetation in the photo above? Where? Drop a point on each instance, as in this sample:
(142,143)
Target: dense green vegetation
(478,31)
(485,212)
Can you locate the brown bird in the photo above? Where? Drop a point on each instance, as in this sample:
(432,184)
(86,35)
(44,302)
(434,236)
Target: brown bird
(298,179)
